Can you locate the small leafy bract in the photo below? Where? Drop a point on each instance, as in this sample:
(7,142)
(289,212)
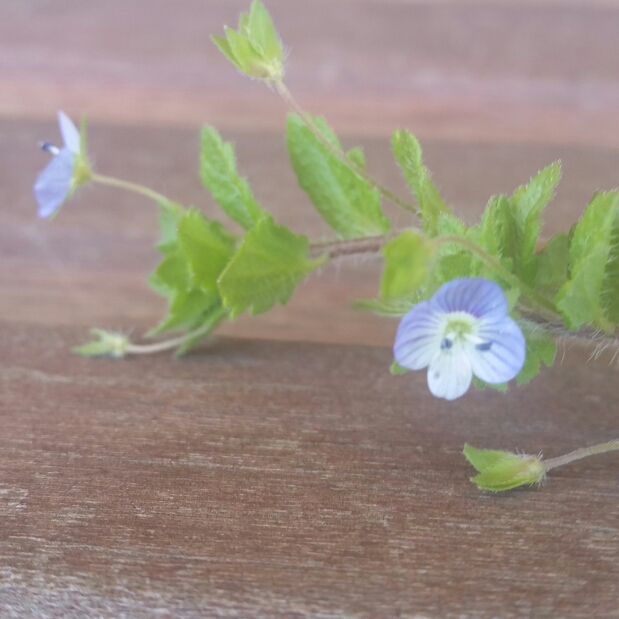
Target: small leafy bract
(503,470)
(266,268)
(343,199)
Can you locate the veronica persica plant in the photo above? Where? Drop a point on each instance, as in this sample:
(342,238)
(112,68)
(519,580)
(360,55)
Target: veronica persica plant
(463,330)
(67,169)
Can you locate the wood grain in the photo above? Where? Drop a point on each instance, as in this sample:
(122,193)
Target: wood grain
(260,479)
(292,478)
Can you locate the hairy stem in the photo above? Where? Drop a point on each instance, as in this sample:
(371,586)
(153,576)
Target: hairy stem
(349,247)
(386,193)
(136,188)
(584,452)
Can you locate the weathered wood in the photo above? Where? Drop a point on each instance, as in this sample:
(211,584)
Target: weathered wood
(260,479)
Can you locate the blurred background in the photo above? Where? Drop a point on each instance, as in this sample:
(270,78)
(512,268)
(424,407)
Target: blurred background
(495,90)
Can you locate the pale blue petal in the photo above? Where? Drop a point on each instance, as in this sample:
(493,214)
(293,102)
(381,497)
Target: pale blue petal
(69,132)
(53,183)
(501,355)
(477,296)
(418,337)
(450,374)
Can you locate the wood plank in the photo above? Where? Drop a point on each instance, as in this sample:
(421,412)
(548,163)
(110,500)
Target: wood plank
(259,479)
(486,71)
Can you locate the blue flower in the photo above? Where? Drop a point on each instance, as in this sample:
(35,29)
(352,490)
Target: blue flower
(57,180)
(463,330)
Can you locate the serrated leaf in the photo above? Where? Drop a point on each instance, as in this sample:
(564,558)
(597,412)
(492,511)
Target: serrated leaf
(408,154)
(552,265)
(499,233)
(219,175)
(502,470)
(186,310)
(266,268)
(172,274)
(406,261)
(170,214)
(579,298)
(540,348)
(528,202)
(609,294)
(384,307)
(207,247)
(344,200)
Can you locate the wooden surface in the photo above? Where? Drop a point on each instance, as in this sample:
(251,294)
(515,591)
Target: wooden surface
(280,471)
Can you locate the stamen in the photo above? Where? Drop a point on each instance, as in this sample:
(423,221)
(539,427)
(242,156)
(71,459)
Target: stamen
(446,343)
(49,147)
(483,347)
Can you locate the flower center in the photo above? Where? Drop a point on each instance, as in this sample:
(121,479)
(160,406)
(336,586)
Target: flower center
(461,329)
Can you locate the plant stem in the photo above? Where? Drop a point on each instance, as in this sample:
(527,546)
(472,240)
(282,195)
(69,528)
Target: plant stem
(307,119)
(121,184)
(584,452)
(146,349)
(543,304)
(350,247)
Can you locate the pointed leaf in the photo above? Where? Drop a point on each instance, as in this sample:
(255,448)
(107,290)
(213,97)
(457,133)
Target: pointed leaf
(345,200)
(579,298)
(408,154)
(219,175)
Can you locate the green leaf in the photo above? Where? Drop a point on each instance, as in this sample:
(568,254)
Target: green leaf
(208,321)
(527,203)
(172,274)
(255,49)
(553,264)
(384,307)
(344,199)
(226,50)
(219,175)
(244,52)
(266,268)
(207,246)
(357,156)
(170,214)
(396,369)
(503,470)
(540,348)
(579,298)
(481,385)
(609,295)
(186,310)
(406,261)
(261,32)
(499,233)
(408,154)
(104,344)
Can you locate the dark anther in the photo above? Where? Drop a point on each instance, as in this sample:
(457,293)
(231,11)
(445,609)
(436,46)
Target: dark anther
(446,343)
(483,347)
